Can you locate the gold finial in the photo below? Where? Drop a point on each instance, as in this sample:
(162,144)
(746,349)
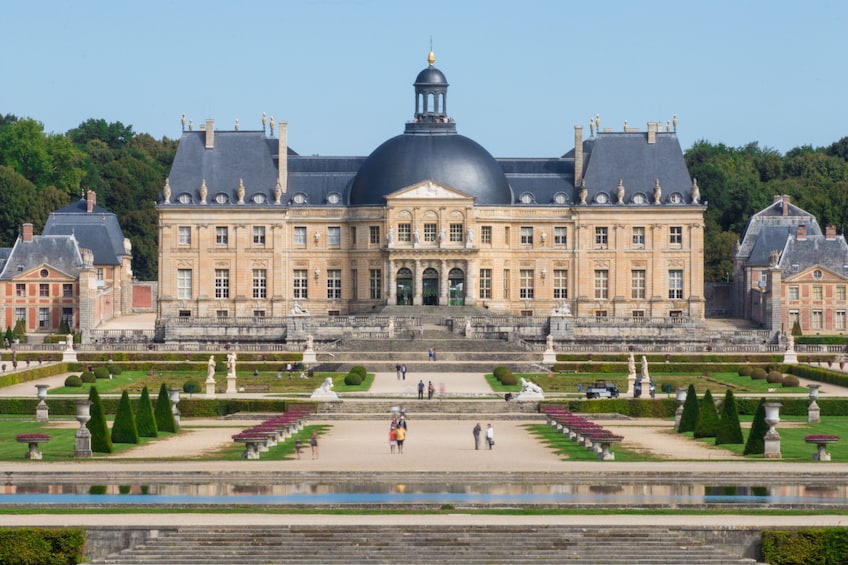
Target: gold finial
(431,58)
(183,121)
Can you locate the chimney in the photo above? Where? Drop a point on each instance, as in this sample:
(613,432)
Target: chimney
(830,232)
(578,156)
(777,198)
(801,233)
(26,233)
(210,134)
(90,201)
(283,160)
(786,200)
(652,132)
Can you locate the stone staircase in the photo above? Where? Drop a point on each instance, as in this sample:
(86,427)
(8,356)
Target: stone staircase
(378,409)
(422,544)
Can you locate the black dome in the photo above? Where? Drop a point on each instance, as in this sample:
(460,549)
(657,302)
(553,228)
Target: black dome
(431,75)
(449,159)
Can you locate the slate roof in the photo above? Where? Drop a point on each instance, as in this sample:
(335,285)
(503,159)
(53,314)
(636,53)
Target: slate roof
(815,251)
(60,252)
(98,231)
(768,229)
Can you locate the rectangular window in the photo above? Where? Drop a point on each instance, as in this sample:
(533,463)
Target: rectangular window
(526,283)
(20,314)
(259,313)
(430,232)
(816,320)
(44,317)
(299,282)
(260,283)
(404,233)
(184,283)
(637,284)
(374,235)
(20,290)
(44,290)
(601,284)
(222,235)
(638,313)
(376,284)
(353,236)
(68,316)
(486,234)
(793,293)
(817,292)
(601,314)
(507,241)
(222,283)
(638,237)
(840,293)
(184,235)
(561,235)
(601,237)
(485,283)
(222,313)
(675,235)
(506,286)
(185,314)
(334,284)
(839,320)
(560,284)
(456,232)
(67,290)
(526,235)
(300,235)
(354,284)
(334,236)
(675,284)
(259,236)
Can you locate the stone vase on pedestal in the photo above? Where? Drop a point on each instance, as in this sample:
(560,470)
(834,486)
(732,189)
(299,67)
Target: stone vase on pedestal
(174,397)
(772,438)
(813,411)
(41,411)
(82,439)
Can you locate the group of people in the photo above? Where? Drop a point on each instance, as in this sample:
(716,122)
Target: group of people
(397,434)
(431,354)
(401,372)
(313,444)
(431,389)
(490,435)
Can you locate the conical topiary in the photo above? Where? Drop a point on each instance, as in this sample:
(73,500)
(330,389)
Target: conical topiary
(145,420)
(707,424)
(101,442)
(124,429)
(690,411)
(164,416)
(756,444)
(729,430)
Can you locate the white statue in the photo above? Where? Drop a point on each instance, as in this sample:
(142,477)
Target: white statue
(326,387)
(645,374)
(442,235)
(390,236)
(296,310)
(530,387)
(310,344)
(469,236)
(696,192)
(166,192)
(549,343)
(210,371)
(631,366)
(790,342)
(231,363)
(416,236)
(240,191)
(657,192)
(468,327)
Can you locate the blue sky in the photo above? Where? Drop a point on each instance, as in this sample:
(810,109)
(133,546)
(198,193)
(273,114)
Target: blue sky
(522,74)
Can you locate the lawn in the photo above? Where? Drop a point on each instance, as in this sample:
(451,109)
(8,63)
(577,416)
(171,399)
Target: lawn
(565,448)
(282,451)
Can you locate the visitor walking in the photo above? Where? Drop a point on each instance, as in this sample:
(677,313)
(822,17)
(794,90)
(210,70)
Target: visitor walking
(430,354)
(434,354)
(298,445)
(430,390)
(421,389)
(403,371)
(313,443)
(392,438)
(400,435)
(397,370)
(490,436)
(476,431)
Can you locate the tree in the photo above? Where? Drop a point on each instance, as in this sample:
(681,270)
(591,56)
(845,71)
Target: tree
(23,147)
(115,134)
(17,196)
(729,429)
(101,441)
(796,329)
(164,415)
(145,419)
(124,429)
(756,443)
(690,411)
(707,423)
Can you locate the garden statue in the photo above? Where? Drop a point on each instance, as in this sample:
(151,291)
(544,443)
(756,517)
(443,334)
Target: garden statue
(231,363)
(210,371)
(631,366)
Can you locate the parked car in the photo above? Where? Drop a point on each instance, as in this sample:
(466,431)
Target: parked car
(602,389)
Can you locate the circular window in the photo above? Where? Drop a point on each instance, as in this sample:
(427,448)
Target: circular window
(44,273)
(638,198)
(602,198)
(526,198)
(560,198)
(817,274)
(675,198)
(184,198)
(334,198)
(299,198)
(259,198)
(221,198)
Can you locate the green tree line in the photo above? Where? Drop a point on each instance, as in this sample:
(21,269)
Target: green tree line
(41,172)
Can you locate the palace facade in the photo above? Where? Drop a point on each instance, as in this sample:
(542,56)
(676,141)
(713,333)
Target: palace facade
(611,229)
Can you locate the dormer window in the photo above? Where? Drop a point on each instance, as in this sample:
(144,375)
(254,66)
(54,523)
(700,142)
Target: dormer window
(601,198)
(639,198)
(675,198)
(299,198)
(527,198)
(184,198)
(334,198)
(222,198)
(259,198)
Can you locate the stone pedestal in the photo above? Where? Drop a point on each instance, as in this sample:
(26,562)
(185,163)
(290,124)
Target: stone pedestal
(82,443)
(231,384)
(69,355)
(41,412)
(813,412)
(310,357)
(772,446)
(210,388)
(324,396)
(530,396)
(549,357)
(790,358)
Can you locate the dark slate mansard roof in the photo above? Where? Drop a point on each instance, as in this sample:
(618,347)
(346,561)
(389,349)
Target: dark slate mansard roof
(98,230)
(816,250)
(768,230)
(59,252)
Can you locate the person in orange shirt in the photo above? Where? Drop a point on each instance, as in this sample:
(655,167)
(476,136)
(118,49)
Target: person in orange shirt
(392,439)
(400,435)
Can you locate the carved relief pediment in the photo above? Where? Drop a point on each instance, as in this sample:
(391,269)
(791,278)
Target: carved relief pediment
(428,190)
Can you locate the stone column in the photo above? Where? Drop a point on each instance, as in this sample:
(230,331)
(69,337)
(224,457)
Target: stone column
(470,282)
(444,289)
(392,283)
(417,297)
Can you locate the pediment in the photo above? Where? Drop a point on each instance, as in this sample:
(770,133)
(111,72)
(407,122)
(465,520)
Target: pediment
(428,190)
(34,273)
(808,275)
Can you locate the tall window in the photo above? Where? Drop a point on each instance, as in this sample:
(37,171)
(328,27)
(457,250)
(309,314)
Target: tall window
(560,284)
(334,284)
(184,235)
(222,235)
(222,283)
(675,235)
(601,237)
(405,233)
(44,317)
(601,284)
(793,293)
(376,284)
(430,232)
(260,283)
(638,237)
(20,314)
(374,235)
(675,284)
(816,320)
(560,235)
(506,286)
(44,290)
(526,235)
(637,284)
(259,236)
(839,320)
(299,281)
(354,284)
(184,277)
(20,290)
(485,283)
(334,235)
(526,283)
(840,293)
(300,235)
(486,234)
(456,232)
(817,292)
(67,290)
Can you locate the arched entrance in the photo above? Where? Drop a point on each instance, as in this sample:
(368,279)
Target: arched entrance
(456,287)
(430,287)
(405,288)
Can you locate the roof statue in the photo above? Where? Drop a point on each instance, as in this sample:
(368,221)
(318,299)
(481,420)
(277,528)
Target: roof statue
(237,124)
(657,192)
(619,193)
(674,122)
(183,121)
(264,120)
(272,125)
(240,191)
(696,192)
(278,190)
(203,192)
(166,192)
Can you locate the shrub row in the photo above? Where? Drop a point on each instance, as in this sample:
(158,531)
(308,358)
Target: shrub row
(822,340)
(658,368)
(41,546)
(665,407)
(505,376)
(817,374)
(826,546)
(672,358)
(123,356)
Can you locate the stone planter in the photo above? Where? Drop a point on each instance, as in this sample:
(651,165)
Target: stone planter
(821,442)
(32,440)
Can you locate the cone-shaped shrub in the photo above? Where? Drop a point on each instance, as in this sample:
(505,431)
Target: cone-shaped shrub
(101,441)
(729,430)
(756,443)
(164,416)
(124,429)
(690,411)
(707,424)
(145,420)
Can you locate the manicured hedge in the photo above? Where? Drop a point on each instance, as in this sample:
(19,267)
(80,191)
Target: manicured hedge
(656,368)
(761,358)
(95,357)
(817,374)
(825,546)
(822,340)
(35,372)
(633,407)
(41,546)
